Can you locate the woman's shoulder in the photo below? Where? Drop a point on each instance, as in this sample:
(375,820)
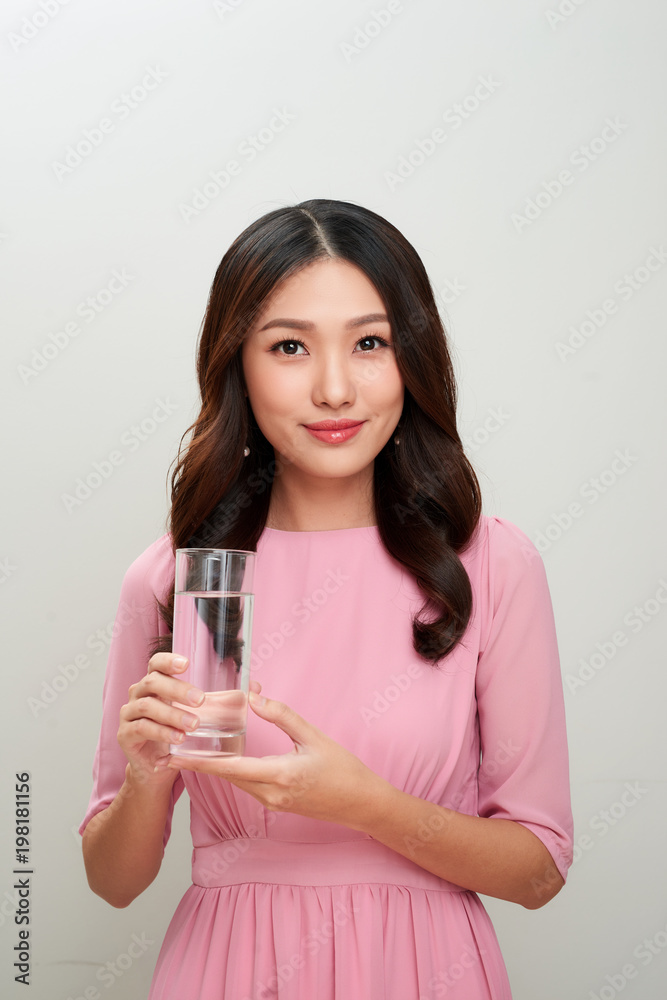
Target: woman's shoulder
(501,545)
(507,536)
(152,570)
(507,575)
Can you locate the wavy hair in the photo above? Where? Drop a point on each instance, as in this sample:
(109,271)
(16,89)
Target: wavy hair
(427,499)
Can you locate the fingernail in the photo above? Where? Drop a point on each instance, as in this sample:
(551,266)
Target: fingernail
(257,699)
(180,661)
(190,721)
(195,697)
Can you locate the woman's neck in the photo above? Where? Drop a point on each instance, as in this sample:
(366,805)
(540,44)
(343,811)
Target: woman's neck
(327,505)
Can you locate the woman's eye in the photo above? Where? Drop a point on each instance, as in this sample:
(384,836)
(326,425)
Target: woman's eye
(367,340)
(289,343)
(292,346)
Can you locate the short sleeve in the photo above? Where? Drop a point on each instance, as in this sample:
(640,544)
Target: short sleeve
(524,770)
(136,624)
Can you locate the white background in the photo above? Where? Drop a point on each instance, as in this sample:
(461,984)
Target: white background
(362,99)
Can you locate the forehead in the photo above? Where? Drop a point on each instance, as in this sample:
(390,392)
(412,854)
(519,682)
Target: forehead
(325,286)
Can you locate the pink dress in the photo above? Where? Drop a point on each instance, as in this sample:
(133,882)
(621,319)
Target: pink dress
(287,907)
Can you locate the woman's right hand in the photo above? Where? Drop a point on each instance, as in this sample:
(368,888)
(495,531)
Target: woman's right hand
(149,722)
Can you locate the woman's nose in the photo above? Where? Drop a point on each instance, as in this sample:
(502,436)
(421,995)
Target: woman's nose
(333,381)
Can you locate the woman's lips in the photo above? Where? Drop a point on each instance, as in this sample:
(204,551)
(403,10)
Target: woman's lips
(335,436)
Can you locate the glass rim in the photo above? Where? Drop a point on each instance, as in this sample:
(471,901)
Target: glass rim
(243,552)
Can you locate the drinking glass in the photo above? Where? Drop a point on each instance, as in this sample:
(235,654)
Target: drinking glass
(213,607)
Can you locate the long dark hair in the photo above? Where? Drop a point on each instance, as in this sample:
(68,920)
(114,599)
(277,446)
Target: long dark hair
(426,494)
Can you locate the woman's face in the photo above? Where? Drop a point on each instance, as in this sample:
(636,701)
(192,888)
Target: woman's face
(343,369)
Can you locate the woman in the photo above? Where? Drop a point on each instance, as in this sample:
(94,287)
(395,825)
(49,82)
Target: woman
(400,635)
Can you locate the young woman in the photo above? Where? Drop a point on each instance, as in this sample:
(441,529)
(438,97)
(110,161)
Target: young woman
(411,752)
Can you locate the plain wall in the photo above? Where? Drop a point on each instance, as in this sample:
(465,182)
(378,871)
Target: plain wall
(539,211)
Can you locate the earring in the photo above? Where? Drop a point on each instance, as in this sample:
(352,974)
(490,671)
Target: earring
(397,439)
(246,451)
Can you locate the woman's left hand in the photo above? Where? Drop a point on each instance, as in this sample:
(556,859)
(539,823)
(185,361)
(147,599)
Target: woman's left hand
(319,778)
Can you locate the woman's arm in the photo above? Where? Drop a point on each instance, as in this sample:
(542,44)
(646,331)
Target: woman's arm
(323,780)
(123,844)
(497,857)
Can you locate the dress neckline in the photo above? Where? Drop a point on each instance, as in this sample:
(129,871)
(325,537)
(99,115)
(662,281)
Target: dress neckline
(326,531)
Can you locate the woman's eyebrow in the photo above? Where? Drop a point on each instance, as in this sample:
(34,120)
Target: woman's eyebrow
(302,324)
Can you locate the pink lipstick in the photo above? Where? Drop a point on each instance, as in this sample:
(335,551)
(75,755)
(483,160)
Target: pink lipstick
(335,431)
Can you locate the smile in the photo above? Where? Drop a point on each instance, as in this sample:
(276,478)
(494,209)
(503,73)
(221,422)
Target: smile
(335,435)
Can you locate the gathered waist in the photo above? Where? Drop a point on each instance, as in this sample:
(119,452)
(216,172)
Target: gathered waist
(281,862)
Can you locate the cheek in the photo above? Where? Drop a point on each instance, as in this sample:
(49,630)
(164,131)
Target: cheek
(383,384)
(272,404)
(265,390)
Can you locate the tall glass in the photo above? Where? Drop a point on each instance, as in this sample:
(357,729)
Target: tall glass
(213,606)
